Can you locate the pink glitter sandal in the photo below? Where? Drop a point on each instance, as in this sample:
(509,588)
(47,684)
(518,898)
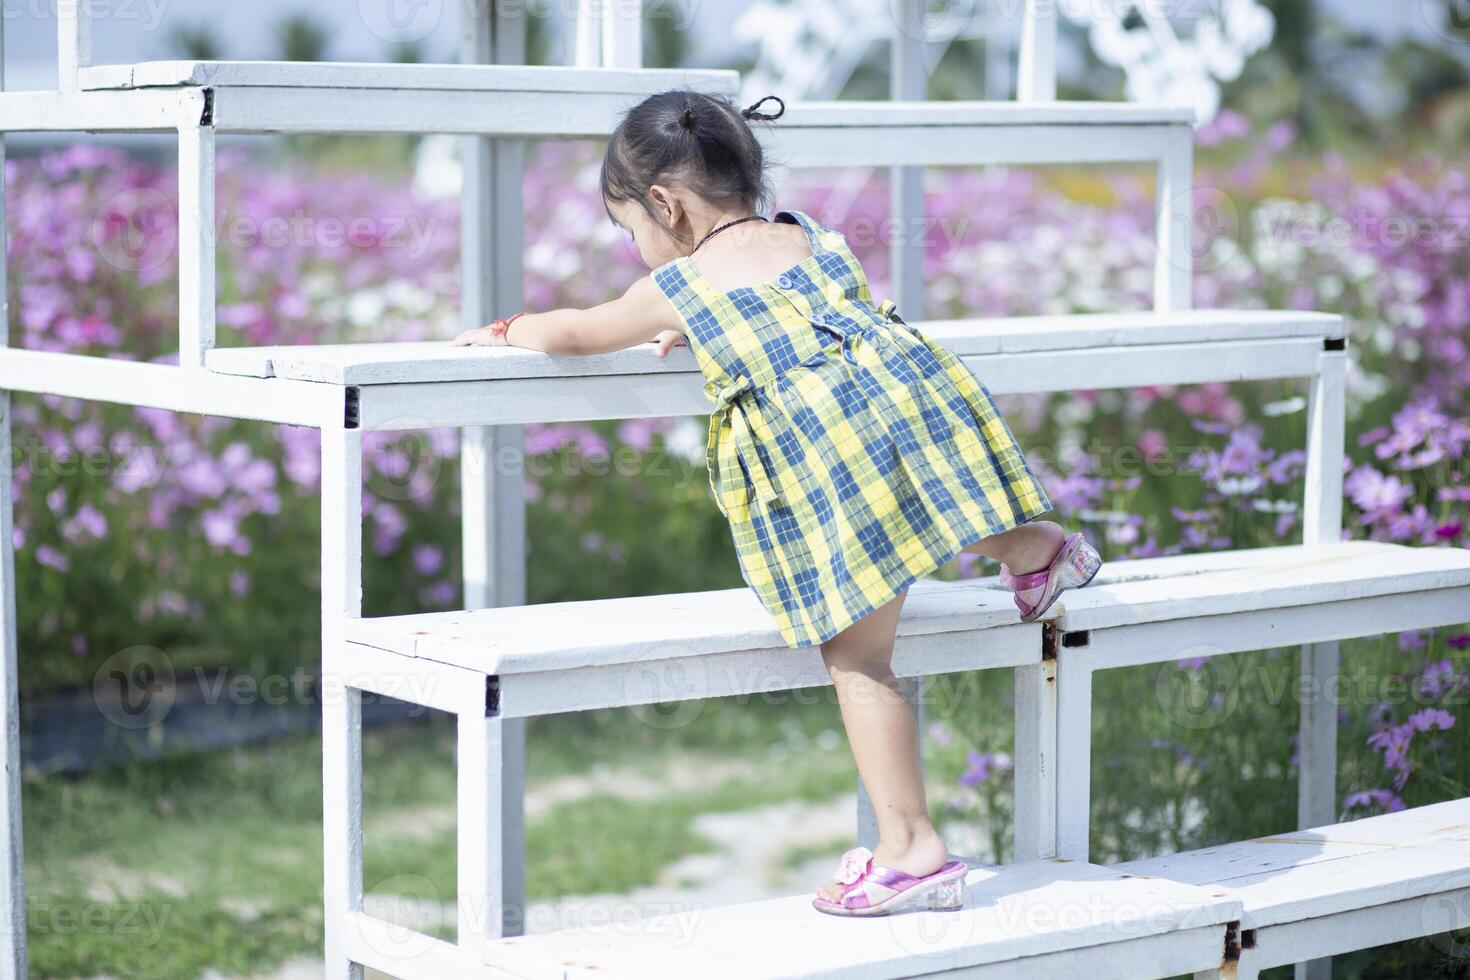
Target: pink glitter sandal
(879,890)
(1075,564)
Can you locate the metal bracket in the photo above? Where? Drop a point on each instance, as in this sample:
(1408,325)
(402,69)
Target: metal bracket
(1334,343)
(1077,638)
(351,412)
(492,696)
(1049,640)
(1232,942)
(207,119)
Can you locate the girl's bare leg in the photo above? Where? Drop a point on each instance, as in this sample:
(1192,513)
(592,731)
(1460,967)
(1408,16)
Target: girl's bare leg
(1027,548)
(885,743)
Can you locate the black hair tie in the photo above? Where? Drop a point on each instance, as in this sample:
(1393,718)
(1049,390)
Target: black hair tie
(752,111)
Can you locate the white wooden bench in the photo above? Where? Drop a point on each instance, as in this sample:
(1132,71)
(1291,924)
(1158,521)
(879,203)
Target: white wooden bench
(494,664)
(1216,912)
(1334,889)
(1230,602)
(455,663)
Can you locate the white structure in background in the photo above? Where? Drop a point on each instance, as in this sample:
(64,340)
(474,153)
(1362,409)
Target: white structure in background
(1222,912)
(811,48)
(1162,66)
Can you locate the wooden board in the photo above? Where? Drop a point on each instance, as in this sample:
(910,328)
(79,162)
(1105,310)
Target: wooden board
(1303,577)
(1328,870)
(567,635)
(373,75)
(643,629)
(1025,910)
(437,361)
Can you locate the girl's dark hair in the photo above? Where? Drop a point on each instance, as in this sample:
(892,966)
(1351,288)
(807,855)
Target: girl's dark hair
(700,140)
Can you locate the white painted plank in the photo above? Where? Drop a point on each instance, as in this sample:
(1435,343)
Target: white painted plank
(1344,932)
(1327,573)
(566,635)
(436,361)
(861,114)
(574,634)
(168,387)
(1328,887)
(98,112)
(1272,628)
(1027,909)
(518,400)
(746,672)
(263,109)
(841,134)
(959,144)
(434,77)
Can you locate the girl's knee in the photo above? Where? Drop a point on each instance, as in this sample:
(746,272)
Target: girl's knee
(852,654)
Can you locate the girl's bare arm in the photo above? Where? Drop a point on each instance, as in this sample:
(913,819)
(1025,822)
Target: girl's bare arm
(643,313)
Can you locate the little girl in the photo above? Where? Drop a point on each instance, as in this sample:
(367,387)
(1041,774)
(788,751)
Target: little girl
(850,453)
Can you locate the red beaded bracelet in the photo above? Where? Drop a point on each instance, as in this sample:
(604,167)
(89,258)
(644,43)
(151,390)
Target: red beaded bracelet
(501,327)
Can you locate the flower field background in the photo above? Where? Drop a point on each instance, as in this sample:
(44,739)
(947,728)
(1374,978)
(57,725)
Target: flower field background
(198,537)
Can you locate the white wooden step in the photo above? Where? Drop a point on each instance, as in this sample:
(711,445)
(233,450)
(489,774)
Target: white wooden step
(374,75)
(600,653)
(1036,919)
(491,100)
(283,96)
(571,656)
(437,361)
(1162,608)
(846,134)
(1306,873)
(1333,889)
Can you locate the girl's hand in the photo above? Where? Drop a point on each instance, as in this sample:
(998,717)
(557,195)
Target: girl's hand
(480,337)
(497,334)
(667,340)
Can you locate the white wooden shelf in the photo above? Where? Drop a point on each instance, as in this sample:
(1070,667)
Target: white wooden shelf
(1018,921)
(378,76)
(1153,590)
(1312,893)
(297,97)
(1216,912)
(577,655)
(437,361)
(417,385)
(572,656)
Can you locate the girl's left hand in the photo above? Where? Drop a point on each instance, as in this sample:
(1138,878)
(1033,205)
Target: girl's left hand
(480,337)
(667,340)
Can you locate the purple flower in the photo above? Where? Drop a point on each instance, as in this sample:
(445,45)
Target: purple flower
(1427,718)
(979,769)
(427,559)
(50,557)
(1386,799)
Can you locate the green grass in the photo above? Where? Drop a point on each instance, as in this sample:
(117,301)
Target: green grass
(162,870)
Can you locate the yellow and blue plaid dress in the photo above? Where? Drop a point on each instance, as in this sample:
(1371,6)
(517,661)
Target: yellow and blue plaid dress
(851,454)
